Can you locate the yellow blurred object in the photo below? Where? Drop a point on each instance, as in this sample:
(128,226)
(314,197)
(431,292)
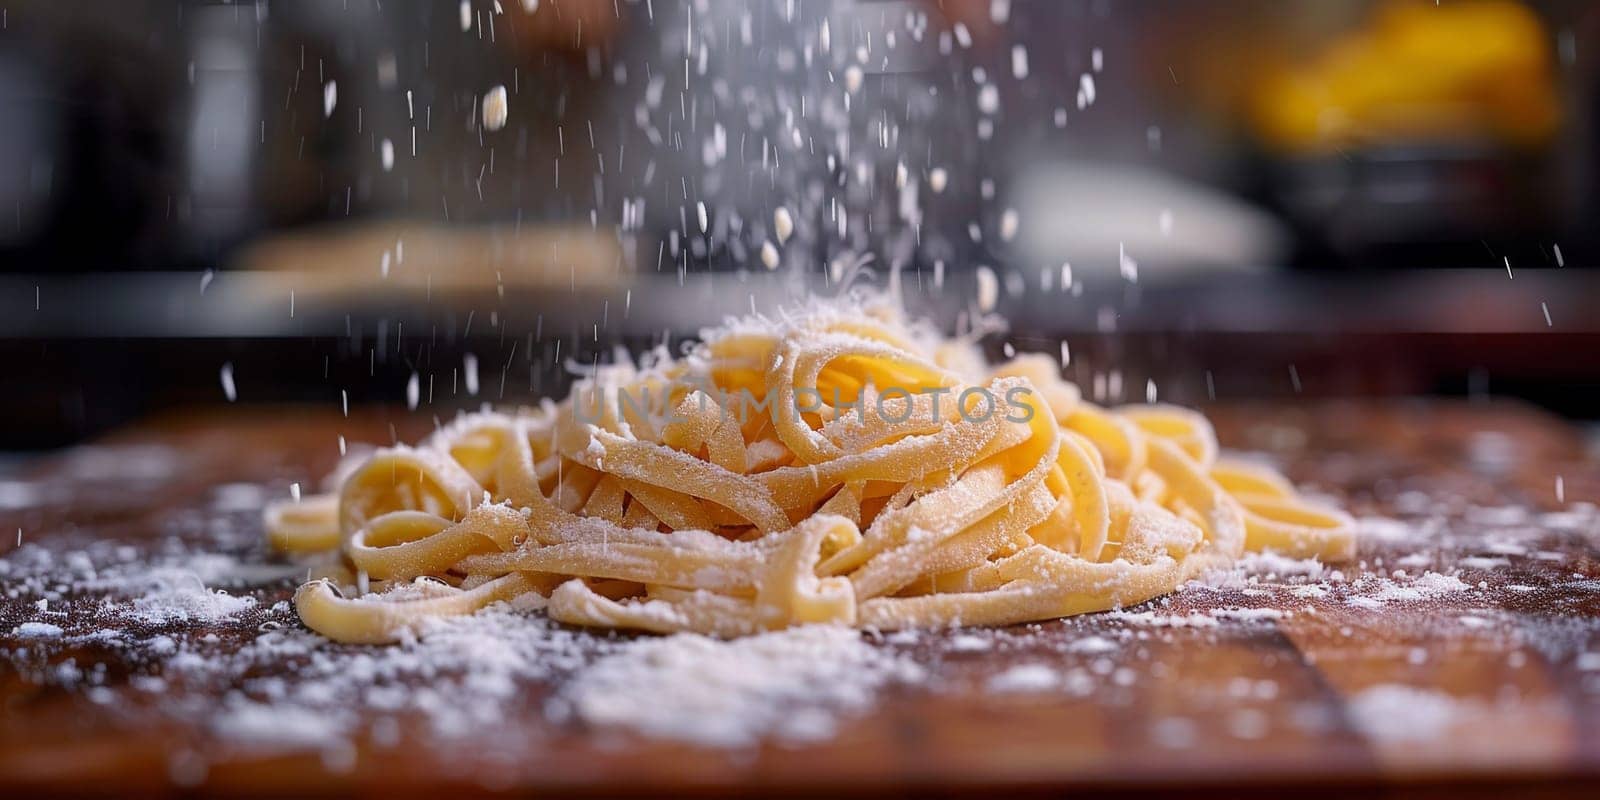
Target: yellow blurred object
(1418,73)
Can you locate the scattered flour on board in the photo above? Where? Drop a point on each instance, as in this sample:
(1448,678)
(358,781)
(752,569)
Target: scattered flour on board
(1414,560)
(1157,619)
(792,684)
(181,595)
(1036,678)
(1250,614)
(36,630)
(165,587)
(1254,570)
(1209,618)
(1392,713)
(968,643)
(1094,644)
(458,676)
(1384,529)
(1376,592)
(1024,678)
(267,725)
(455,677)
(1282,566)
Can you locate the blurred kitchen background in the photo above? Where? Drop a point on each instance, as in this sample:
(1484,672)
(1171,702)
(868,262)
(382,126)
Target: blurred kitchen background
(321,202)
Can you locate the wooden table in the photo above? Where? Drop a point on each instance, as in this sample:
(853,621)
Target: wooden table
(1313,699)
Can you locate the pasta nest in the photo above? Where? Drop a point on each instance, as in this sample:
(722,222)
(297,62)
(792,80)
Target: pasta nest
(832,466)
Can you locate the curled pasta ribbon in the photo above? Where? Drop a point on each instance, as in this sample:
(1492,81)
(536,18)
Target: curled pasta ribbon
(378,621)
(1276,519)
(307,525)
(839,466)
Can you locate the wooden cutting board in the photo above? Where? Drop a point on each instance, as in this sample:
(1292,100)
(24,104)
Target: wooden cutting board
(1260,685)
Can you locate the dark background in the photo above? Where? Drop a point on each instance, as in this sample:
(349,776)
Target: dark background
(175,203)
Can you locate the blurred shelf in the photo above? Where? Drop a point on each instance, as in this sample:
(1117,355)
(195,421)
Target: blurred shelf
(288,304)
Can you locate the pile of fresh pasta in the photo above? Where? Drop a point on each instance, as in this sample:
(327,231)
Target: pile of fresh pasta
(839,465)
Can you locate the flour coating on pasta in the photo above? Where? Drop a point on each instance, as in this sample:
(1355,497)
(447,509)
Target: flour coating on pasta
(838,465)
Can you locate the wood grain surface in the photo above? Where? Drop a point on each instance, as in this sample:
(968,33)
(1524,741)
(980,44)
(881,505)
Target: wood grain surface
(1337,688)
